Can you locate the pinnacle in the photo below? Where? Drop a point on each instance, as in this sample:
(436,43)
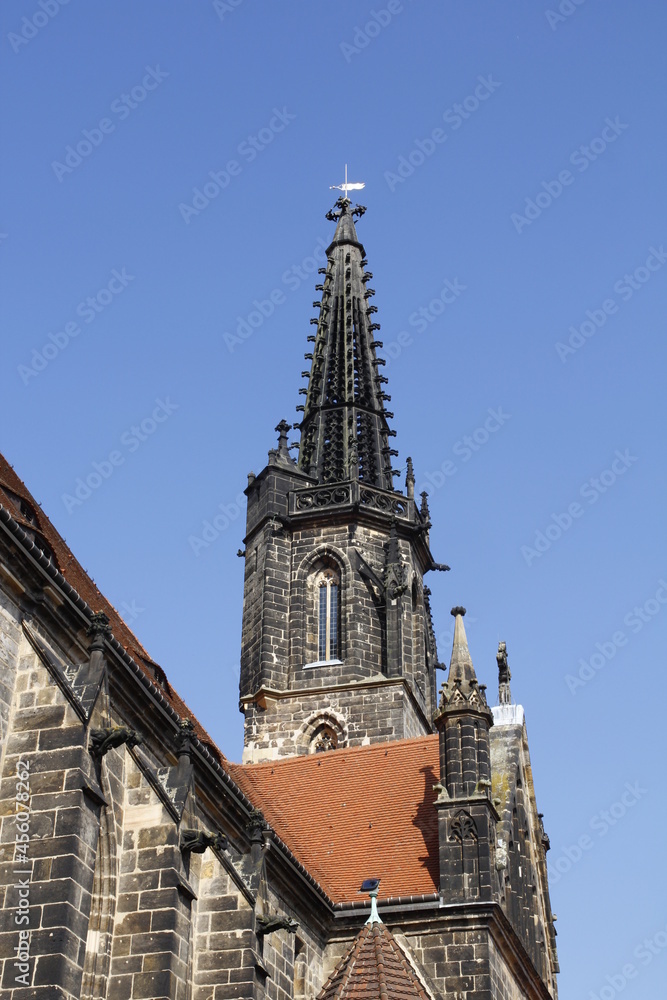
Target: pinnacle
(460,668)
(461,690)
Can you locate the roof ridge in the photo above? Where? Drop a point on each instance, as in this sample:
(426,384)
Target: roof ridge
(379,959)
(352,961)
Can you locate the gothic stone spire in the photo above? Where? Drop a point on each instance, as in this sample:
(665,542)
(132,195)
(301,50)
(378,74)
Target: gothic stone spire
(461,692)
(344,432)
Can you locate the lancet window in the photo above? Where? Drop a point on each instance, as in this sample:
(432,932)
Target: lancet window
(328,615)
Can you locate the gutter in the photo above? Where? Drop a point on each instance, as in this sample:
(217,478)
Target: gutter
(408,904)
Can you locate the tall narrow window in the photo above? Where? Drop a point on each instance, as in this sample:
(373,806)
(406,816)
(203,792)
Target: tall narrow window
(328,595)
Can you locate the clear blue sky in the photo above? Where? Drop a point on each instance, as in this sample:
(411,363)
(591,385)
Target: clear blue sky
(540,199)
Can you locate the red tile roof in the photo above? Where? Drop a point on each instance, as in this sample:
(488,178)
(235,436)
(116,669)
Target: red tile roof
(374,967)
(19,502)
(356,813)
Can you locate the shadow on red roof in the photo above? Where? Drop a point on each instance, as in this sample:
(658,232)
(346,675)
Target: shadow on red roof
(355,813)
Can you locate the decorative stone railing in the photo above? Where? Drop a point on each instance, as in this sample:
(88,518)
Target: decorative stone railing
(346,495)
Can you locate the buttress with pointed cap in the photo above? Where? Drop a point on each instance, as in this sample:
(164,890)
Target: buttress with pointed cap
(461,687)
(344,430)
(460,667)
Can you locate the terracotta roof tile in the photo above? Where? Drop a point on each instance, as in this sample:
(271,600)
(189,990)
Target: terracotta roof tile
(373,967)
(355,813)
(19,502)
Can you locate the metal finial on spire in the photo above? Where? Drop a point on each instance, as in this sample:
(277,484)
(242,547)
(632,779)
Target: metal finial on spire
(372,887)
(346,186)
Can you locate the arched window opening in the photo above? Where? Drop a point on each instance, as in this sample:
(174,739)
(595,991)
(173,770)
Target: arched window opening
(328,616)
(324,612)
(323,731)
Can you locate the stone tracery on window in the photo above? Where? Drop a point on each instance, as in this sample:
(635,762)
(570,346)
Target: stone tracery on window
(323,731)
(324,738)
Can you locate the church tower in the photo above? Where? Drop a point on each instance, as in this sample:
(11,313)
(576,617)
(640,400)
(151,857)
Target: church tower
(338,646)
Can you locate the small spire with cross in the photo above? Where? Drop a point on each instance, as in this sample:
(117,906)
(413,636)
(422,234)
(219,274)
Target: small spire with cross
(283,429)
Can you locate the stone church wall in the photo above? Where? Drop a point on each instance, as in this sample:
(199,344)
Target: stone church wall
(281,653)
(455,961)
(151,931)
(380,712)
(10,637)
(503,984)
(48,738)
(293,960)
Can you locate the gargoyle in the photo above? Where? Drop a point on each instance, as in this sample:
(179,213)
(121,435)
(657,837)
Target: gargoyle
(482,786)
(103,740)
(256,825)
(196,841)
(441,791)
(267,925)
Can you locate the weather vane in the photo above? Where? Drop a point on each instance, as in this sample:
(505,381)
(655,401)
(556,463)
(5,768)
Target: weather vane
(346,186)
